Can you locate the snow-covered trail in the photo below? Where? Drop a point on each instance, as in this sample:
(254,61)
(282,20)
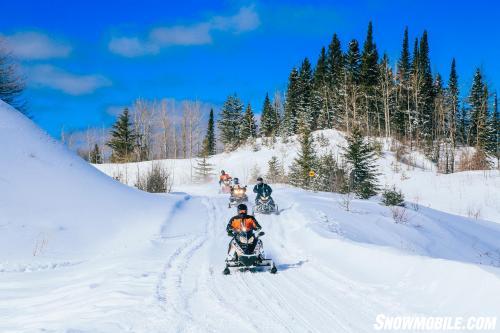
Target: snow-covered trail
(307,295)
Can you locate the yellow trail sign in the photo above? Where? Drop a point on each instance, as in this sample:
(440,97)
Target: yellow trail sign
(312,173)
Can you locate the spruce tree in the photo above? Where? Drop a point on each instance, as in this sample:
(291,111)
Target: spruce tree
(203,170)
(209,141)
(403,83)
(353,63)
(248,127)
(305,113)
(289,126)
(334,64)
(123,139)
(360,156)
(426,91)
(95,155)
(476,101)
(229,123)
(268,119)
(275,171)
(369,60)
(305,162)
(452,102)
(321,94)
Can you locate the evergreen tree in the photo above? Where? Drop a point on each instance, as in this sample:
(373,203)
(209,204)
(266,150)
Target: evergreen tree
(361,158)
(229,123)
(123,139)
(330,176)
(334,64)
(321,94)
(209,141)
(426,90)
(95,155)
(353,63)
(403,84)
(203,170)
(275,173)
(248,127)
(476,102)
(350,87)
(305,162)
(306,116)
(369,73)
(452,103)
(269,121)
(290,120)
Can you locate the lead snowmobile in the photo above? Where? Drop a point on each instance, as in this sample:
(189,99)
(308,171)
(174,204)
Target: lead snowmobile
(265,205)
(249,254)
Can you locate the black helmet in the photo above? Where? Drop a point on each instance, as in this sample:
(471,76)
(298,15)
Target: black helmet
(242,207)
(222,171)
(260,179)
(236,181)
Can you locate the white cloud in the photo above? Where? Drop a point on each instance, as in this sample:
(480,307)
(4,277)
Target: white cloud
(56,78)
(34,45)
(246,19)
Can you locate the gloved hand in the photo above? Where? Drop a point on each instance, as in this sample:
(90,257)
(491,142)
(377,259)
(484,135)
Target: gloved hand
(230,233)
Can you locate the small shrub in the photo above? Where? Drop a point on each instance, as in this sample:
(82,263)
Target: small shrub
(393,197)
(156,180)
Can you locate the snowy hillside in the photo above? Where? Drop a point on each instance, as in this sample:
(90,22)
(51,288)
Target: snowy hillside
(83,253)
(472,193)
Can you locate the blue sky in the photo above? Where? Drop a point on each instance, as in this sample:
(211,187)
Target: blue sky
(85,59)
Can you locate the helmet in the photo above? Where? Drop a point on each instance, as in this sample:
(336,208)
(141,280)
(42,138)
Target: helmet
(260,179)
(242,207)
(236,181)
(222,172)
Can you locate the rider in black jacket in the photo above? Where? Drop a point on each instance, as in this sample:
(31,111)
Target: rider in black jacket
(262,190)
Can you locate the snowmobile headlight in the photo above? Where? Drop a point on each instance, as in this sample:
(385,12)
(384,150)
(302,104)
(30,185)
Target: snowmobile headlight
(243,240)
(239,192)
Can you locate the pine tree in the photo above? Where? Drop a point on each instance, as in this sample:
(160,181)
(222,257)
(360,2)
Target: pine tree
(290,120)
(305,113)
(95,155)
(275,171)
(403,84)
(203,170)
(333,105)
(321,94)
(123,139)
(230,121)
(305,162)
(330,176)
(369,77)
(360,156)
(248,127)
(268,121)
(476,102)
(426,91)
(452,102)
(209,141)
(350,87)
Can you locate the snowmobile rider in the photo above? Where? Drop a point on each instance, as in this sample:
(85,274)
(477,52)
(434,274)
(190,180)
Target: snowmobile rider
(236,186)
(238,223)
(223,177)
(262,190)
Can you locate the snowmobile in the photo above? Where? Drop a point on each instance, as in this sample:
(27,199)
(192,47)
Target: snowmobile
(238,195)
(249,254)
(265,205)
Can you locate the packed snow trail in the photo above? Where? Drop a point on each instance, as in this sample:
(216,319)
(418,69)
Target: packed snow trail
(310,293)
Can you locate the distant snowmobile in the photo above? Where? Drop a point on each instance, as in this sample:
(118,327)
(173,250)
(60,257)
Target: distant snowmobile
(265,205)
(249,254)
(225,186)
(238,194)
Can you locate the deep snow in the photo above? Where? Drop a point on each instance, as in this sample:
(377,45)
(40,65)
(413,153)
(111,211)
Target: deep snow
(119,260)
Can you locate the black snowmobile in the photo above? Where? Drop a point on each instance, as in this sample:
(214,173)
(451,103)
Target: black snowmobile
(266,205)
(249,254)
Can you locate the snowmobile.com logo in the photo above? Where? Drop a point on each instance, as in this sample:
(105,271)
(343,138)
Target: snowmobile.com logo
(424,323)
